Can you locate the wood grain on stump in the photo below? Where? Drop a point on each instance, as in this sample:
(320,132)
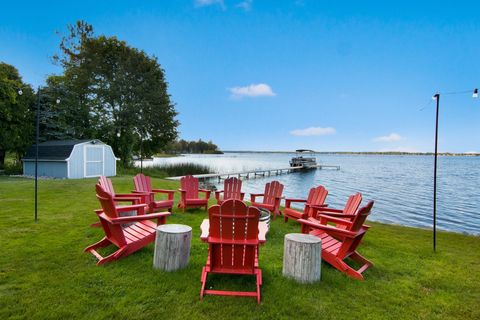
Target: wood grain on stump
(302,257)
(172,247)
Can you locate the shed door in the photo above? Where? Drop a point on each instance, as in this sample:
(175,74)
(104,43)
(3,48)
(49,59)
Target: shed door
(94,161)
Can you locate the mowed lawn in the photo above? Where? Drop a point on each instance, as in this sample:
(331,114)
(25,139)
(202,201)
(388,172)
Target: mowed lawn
(44,273)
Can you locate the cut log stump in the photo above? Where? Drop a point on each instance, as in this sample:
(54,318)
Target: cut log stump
(172,247)
(302,257)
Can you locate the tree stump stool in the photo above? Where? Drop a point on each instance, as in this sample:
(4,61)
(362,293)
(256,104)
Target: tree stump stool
(302,257)
(172,247)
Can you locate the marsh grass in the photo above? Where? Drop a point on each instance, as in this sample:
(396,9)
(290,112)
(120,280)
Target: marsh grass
(167,170)
(44,273)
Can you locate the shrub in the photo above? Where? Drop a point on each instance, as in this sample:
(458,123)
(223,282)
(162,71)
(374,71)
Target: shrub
(12,168)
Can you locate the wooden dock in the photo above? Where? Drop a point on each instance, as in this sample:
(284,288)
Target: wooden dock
(254,173)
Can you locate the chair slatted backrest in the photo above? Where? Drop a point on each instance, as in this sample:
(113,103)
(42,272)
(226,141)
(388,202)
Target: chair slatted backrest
(316,197)
(273,190)
(190,185)
(142,183)
(232,188)
(114,232)
(353,203)
(350,244)
(107,185)
(360,217)
(234,235)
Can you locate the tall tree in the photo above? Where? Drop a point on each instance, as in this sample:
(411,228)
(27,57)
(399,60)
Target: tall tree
(16,114)
(118,93)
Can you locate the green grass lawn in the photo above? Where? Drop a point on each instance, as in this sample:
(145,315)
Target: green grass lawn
(44,273)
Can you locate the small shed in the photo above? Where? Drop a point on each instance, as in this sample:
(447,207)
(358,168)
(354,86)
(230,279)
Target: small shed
(71,159)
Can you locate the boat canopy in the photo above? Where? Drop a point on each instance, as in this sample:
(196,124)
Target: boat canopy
(304,150)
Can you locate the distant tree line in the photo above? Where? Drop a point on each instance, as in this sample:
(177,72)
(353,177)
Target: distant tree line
(183,146)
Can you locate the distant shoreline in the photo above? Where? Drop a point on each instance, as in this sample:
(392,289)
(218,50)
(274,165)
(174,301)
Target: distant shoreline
(388,153)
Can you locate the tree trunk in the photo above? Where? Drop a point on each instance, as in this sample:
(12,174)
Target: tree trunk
(2,159)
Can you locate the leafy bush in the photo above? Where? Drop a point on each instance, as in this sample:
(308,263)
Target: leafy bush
(168,170)
(12,168)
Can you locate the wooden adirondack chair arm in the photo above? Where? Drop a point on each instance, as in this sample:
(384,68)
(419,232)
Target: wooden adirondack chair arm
(329,229)
(326,219)
(323,207)
(182,191)
(207,192)
(163,191)
(288,201)
(126,195)
(142,193)
(131,199)
(254,195)
(169,193)
(217,194)
(141,217)
(336,215)
(295,200)
(134,207)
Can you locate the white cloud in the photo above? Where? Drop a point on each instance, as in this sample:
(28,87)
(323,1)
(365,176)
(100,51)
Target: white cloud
(245,5)
(313,131)
(392,137)
(472,152)
(204,3)
(253,90)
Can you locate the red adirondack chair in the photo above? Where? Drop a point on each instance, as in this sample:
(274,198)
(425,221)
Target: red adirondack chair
(129,239)
(143,185)
(271,198)
(189,194)
(233,245)
(232,189)
(340,244)
(107,185)
(348,212)
(316,198)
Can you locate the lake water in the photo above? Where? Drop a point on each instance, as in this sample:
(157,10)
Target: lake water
(401,186)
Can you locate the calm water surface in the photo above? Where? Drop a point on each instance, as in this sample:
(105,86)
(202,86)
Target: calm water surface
(401,186)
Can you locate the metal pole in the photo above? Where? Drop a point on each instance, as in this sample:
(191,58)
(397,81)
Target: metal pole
(141,153)
(437,96)
(36,153)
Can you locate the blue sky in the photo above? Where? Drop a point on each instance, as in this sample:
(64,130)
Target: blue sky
(281,75)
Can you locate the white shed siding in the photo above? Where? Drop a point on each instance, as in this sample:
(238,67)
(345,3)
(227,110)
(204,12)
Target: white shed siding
(110,162)
(54,169)
(76,162)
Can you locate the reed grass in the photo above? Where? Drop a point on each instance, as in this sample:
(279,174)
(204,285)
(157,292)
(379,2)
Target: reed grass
(167,170)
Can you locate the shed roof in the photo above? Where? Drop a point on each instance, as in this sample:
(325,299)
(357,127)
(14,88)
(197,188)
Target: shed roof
(54,149)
